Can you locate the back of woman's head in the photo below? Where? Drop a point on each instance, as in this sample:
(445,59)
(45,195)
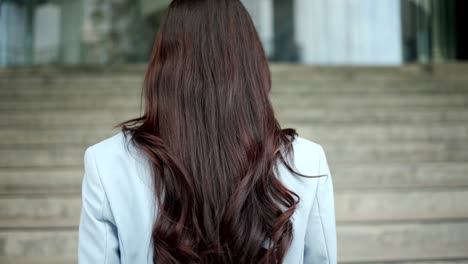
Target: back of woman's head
(211,136)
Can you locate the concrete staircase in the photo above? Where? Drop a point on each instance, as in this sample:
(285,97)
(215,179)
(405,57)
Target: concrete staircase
(396,140)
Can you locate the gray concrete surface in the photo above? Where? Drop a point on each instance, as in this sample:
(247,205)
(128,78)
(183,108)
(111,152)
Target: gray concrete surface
(396,140)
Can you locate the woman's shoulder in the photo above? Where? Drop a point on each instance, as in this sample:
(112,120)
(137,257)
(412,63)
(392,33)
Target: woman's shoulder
(116,154)
(118,147)
(307,154)
(115,149)
(301,144)
(307,157)
(113,144)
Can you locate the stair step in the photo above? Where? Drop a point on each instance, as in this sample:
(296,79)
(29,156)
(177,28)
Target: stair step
(352,206)
(399,175)
(41,180)
(400,205)
(353,176)
(285,87)
(55,80)
(397,152)
(86,118)
(105,118)
(39,222)
(126,101)
(403,242)
(376,116)
(383,132)
(40,211)
(456,71)
(63,70)
(60,243)
(61,135)
(279,70)
(40,260)
(72,89)
(322,134)
(368,87)
(369,101)
(364,153)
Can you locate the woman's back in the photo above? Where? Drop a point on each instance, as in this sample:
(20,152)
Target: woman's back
(209,155)
(118,207)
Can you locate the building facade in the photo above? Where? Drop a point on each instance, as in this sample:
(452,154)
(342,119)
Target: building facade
(316,32)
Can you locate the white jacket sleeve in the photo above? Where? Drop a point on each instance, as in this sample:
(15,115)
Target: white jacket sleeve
(320,244)
(97,235)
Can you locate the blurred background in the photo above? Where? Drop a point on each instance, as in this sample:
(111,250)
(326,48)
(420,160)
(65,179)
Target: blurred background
(382,85)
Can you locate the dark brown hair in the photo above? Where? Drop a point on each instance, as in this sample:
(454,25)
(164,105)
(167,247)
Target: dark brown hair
(212,138)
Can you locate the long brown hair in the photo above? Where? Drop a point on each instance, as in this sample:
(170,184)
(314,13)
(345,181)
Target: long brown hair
(212,138)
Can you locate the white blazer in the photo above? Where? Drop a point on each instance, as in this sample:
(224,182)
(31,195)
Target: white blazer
(118,205)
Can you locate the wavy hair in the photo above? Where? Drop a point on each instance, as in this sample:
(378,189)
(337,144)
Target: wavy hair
(211,136)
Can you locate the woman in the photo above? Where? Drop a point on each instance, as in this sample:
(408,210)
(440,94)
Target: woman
(207,175)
